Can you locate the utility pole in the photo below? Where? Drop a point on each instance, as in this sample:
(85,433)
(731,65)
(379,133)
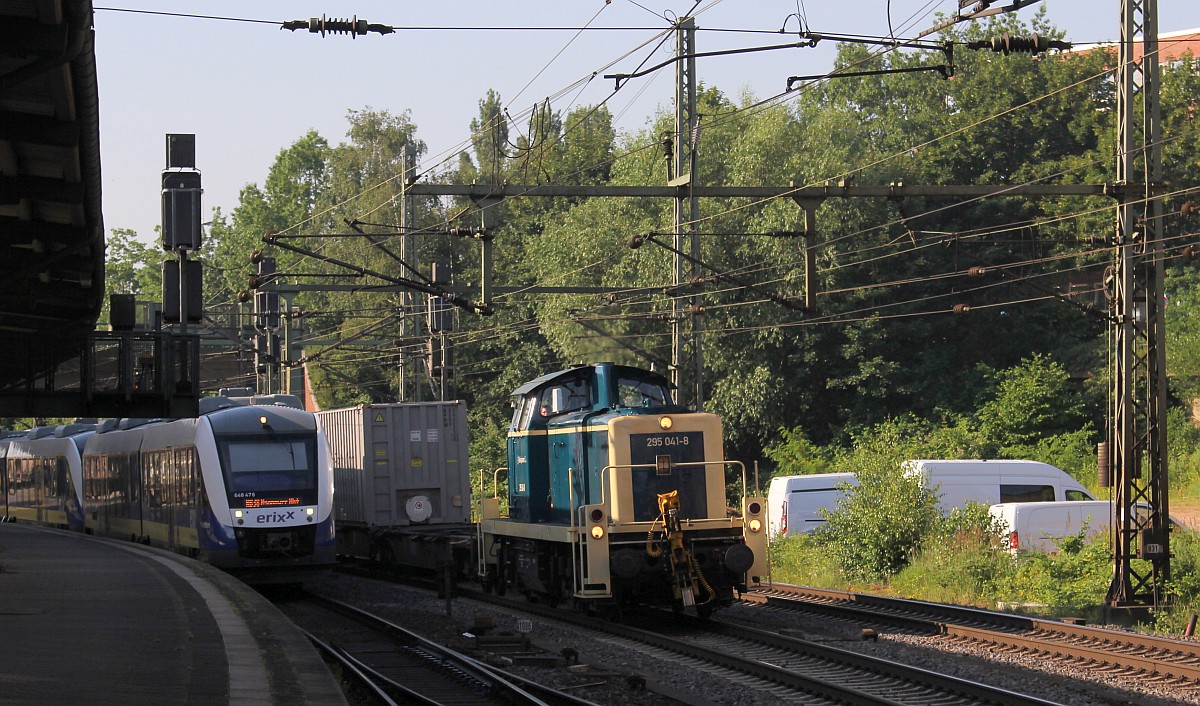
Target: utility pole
(687,214)
(410,320)
(1138,427)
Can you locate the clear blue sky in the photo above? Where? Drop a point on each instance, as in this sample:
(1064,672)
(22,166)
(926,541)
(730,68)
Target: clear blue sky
(248,90)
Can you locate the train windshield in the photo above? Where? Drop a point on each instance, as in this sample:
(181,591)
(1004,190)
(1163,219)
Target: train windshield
(260,467)
(632,392)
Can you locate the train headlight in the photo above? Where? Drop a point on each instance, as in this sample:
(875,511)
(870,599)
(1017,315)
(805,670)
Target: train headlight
(597,532)
(666,422)
(310,511)
(755,525)
(262,419)
(237,514)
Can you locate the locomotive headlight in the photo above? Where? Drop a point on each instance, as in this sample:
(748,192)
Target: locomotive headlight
(237,514)
(262,419)
(665,422)
(597,532)
(310,511)
(755,525)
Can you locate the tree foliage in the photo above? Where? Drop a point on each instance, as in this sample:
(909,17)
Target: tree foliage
(884,345)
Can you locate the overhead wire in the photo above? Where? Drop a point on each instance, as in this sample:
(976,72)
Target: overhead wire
(714,216)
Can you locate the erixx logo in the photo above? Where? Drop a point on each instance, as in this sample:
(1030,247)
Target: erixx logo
(276,517)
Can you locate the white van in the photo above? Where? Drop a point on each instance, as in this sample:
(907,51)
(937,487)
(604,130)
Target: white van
(794,503)
(1036,527)
(959,481)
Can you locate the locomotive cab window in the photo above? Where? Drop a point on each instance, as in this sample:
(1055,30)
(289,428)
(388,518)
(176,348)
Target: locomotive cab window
(569,396)
(636,393)
(525,409)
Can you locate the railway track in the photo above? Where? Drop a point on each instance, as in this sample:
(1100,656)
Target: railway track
(789,668)
(1149,657)
(398,666)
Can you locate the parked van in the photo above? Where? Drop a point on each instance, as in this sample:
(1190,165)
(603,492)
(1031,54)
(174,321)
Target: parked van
(794,503)
(959,481)
(1036,527)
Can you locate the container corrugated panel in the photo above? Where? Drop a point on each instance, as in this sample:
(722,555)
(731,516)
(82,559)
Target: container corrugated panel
(400,464)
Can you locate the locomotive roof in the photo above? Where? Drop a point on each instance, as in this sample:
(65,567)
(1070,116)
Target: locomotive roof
(574,370)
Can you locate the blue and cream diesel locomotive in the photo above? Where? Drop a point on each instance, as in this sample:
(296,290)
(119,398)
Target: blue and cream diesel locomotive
(246,486)
(617,495)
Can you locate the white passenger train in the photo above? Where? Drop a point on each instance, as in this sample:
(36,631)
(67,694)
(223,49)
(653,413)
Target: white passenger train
(246,486)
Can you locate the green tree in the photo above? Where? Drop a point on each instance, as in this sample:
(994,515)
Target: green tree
(131,266)
(1032,401)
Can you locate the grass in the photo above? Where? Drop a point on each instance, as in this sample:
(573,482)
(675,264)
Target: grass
(970,568)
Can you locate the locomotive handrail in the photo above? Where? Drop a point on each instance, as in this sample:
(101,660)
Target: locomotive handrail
(495,482)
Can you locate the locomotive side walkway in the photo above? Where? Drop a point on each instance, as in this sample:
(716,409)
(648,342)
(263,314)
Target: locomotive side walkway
(88,620)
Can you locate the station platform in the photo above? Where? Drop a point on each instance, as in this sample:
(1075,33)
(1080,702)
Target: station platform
(98,621)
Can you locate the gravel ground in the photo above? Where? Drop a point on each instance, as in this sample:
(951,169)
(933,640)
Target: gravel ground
(605,664)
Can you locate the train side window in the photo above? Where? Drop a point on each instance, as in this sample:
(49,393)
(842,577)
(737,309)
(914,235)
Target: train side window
(568,396)
(524,412)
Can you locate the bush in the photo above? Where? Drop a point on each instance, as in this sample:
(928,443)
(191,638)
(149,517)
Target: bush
(879,526)
(963,561)
(1075,577)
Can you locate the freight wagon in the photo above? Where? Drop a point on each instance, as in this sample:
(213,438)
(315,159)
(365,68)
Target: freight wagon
(402,484)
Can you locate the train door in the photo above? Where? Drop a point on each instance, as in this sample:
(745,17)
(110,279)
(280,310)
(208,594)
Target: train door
(3,480)
(170,495)
(185,515)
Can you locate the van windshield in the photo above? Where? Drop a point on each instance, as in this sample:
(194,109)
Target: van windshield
(1078,495)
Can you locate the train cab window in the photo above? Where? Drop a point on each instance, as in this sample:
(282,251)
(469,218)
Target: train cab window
(285,464)
(526,407)
(569,396)
(641,393)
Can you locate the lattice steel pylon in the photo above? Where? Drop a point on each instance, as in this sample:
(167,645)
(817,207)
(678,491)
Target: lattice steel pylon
(1137,431)
(687,375)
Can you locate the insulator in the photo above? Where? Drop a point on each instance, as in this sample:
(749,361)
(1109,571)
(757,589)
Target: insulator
(1103,465)
(256,257)
(1191,252)
(696,309)
(1188,208)
(244,296)
(1008,44)
(962,308)
(636,241)
(332,25)
(976,271)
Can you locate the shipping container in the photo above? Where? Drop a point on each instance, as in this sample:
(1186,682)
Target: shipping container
(400,464)
(402,489)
